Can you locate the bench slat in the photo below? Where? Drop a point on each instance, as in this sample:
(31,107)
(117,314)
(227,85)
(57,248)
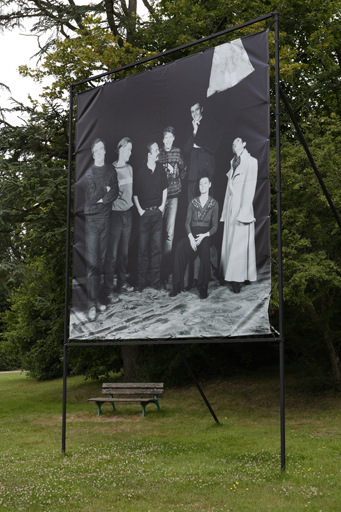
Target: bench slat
(126,385)
(120,400)
(132,391)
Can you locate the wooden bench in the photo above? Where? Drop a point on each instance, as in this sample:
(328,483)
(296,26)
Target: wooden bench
(143,393)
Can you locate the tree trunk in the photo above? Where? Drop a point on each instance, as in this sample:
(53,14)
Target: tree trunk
(130,356)
(334,360)
(132,6)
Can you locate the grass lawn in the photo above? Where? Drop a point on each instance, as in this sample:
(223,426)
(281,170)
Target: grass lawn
(177,459)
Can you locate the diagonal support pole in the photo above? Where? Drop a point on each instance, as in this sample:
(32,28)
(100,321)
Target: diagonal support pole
(309,155)
(198,385)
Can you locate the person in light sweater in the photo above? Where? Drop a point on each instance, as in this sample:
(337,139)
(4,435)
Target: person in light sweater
(120,224)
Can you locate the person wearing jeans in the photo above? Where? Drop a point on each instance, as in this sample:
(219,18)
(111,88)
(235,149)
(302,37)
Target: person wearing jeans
(175,168)
(101,189)
(150,195)
(120,224)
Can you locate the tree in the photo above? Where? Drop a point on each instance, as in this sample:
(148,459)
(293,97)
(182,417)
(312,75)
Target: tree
(312,241)
(53,18)
(84,40)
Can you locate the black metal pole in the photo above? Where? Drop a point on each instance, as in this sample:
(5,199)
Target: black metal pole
(309,155)
(170,341)
(198,385)
(64,397)
(67,264)
(178,48)
(279,234)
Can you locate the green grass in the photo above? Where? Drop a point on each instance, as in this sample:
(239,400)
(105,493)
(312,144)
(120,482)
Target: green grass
(177,459)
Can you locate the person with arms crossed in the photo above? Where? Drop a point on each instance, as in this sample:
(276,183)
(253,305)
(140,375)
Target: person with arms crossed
(101,189)
(202,142)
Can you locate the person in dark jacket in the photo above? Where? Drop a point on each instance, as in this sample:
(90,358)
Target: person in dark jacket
(202,142)
(101,189)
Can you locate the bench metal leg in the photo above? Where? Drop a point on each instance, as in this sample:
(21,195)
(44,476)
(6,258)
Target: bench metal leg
(99,405)
(143,408)
(99,408)
(144,405)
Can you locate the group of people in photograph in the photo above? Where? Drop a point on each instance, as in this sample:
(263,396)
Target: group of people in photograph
(112,190)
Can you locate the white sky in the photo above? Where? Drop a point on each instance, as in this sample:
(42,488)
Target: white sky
(18,48)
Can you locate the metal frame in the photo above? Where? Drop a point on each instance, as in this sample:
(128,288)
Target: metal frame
(280,338)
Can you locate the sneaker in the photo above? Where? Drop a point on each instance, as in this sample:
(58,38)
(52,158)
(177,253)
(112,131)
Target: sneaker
(126,288)
(92,314)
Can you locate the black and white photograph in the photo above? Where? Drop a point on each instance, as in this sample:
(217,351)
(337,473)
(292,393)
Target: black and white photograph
(172,200)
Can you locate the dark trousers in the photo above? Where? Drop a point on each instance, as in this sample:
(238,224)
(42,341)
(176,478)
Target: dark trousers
(200,161)
(184,254)
(96,233)
(193,190)
(117,250)
(150,237)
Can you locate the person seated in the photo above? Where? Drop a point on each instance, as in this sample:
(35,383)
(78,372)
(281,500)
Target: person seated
(201,224)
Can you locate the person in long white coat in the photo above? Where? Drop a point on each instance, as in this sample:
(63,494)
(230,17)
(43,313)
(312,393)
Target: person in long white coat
(238,253)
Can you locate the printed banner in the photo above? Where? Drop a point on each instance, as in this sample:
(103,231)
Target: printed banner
(172,200)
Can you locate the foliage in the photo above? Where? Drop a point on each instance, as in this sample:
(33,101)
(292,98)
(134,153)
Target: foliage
(95,362)
(95,50)
(164,363)
(34,323)
(55,18)
(84,40)
(311,247)
(33,213)
(7,362)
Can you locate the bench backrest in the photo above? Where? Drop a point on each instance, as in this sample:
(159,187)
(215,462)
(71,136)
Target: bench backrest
(133,389)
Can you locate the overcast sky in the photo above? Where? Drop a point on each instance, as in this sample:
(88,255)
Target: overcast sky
(17,49)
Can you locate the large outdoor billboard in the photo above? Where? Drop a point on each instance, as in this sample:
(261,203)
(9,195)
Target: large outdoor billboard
(172,200)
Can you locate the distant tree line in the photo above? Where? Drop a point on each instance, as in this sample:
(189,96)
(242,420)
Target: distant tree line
(78,41)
